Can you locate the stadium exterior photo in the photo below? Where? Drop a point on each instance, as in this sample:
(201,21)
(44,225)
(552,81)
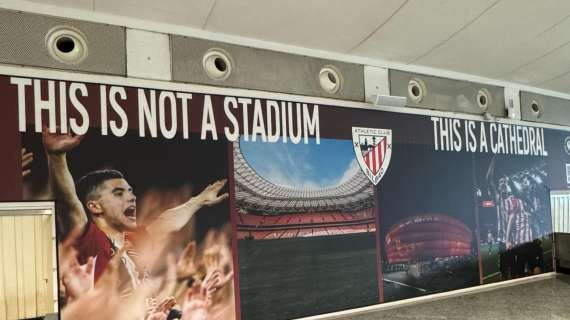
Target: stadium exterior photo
(428,236)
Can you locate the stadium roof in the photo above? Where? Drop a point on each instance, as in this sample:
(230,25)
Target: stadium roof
(256,194)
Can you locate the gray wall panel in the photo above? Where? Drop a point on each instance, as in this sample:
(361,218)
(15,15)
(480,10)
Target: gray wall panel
(448,95)
(552,110)
(263,70)
(562,241)
(22,42)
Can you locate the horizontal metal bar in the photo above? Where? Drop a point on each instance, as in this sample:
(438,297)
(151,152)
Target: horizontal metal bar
(27,208)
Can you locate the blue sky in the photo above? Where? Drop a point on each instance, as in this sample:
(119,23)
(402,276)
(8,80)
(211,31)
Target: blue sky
(306,166)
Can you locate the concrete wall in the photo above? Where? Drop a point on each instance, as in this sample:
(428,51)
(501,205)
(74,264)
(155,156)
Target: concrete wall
(121,51)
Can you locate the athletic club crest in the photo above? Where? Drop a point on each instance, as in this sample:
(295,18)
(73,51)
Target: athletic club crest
(373,149)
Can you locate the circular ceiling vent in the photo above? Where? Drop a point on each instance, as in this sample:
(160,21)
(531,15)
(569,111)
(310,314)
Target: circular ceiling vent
(536,108)
(416,90)
(330,79)
(483,99)
(217,64)
(66,44)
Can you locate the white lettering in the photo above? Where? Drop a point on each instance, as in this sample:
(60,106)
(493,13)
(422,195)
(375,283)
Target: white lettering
(208,122)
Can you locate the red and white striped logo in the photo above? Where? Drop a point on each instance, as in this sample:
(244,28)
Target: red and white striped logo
(373,148)
(375,156)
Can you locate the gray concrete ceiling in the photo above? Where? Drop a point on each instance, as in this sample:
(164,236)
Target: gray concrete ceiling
(521,41)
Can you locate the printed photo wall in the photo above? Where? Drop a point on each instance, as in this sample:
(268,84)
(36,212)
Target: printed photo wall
(306,228)
(143,210)
(514,216)
(222,207)
(511,194)
(428,223)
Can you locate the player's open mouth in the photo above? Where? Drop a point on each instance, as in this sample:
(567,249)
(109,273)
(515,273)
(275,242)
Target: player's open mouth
(131,213)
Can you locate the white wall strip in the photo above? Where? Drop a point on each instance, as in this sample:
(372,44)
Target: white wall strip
(560,204)
(28,205)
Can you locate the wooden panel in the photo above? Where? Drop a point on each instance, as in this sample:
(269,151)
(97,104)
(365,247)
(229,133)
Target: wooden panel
(19,263)
(10,270)
(48,255)
(28,267)
(26,274)
(41,283)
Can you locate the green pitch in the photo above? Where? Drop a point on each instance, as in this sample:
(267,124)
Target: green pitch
(291,278)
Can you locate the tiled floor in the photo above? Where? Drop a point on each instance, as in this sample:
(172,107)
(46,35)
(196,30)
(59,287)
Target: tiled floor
(544,299)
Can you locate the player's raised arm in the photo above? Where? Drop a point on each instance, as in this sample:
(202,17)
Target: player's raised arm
(56,146)
(176,218)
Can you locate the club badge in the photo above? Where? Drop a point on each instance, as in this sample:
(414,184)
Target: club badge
(373,148)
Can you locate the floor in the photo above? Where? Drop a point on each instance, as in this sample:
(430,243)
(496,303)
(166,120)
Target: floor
(547,299)
(544,299)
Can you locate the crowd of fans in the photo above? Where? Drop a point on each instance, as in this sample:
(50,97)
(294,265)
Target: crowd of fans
(195,284)
(160,276)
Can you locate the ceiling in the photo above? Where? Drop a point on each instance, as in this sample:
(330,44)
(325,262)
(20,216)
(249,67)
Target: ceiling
(521,41)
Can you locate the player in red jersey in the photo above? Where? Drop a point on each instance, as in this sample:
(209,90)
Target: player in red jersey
(103,207)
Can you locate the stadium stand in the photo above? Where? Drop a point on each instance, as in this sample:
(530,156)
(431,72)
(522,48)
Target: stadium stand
(269,211)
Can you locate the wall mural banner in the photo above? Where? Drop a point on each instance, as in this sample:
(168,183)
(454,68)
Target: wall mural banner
(205,206)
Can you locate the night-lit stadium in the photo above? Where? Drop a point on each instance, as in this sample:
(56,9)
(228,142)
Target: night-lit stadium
(425,253)
(426,237)
(270,211)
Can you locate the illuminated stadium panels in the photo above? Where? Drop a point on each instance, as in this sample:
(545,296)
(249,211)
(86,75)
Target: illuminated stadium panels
(256,194)
(426,237)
